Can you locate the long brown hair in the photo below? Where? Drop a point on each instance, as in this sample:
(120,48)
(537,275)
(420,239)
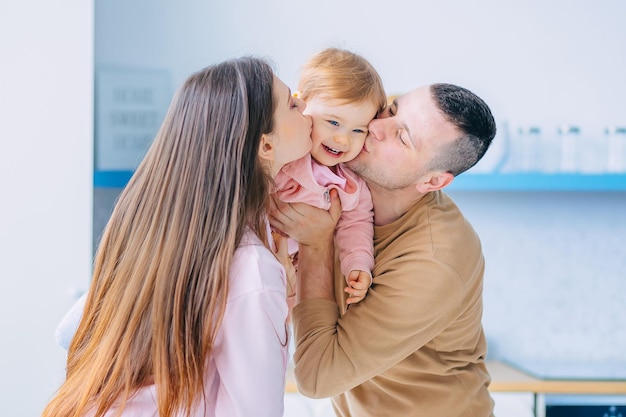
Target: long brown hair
(160,277)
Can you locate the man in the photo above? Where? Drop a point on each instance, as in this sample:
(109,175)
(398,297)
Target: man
(415,345)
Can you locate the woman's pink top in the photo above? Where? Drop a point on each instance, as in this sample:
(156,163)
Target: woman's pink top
(246,374)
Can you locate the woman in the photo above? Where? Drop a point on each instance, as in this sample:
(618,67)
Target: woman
(186,312)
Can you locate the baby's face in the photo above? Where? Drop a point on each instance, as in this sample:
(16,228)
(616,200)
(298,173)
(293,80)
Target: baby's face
(339,129)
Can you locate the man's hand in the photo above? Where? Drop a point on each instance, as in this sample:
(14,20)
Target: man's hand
(306,224)
(314,229)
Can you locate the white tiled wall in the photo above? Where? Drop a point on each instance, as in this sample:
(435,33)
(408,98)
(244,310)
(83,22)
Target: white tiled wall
(555,273)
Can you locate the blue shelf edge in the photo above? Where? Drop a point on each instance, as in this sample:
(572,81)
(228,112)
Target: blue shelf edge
(539,182)
(466,181)
(111,179)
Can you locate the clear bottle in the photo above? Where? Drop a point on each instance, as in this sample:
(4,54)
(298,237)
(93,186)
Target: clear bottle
(616,140)
(523,150)
(550,152)
(512,161)
(530,148)
(592,151)
(497,155)
(569,139)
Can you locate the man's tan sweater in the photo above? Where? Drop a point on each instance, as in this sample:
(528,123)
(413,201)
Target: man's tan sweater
(415,345)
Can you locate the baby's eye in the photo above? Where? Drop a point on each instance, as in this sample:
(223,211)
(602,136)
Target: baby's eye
(359,131)
(333,122)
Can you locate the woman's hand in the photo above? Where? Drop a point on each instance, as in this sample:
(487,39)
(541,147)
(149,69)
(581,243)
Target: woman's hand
(314,229)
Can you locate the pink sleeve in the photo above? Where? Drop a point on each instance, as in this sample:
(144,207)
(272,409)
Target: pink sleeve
(355,234)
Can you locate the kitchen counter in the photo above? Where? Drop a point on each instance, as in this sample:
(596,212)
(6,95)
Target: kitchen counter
(508,378)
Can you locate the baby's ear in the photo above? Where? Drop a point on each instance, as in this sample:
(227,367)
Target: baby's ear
(266,148)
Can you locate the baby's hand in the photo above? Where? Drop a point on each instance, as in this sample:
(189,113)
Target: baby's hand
(358,284)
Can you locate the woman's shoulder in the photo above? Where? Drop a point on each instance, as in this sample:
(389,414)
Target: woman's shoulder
(255,268)
(251,248)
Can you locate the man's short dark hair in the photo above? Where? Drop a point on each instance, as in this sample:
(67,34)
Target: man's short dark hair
(470,114)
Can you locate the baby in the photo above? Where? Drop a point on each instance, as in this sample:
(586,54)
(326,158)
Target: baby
(343,93)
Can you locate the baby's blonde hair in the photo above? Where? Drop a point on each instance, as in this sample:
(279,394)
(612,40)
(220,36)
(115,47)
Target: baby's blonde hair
(341,75)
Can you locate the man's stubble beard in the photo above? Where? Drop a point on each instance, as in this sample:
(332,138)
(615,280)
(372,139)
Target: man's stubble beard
(377,177)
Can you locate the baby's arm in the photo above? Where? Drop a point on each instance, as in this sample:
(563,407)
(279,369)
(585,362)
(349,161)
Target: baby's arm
(354,237)
(358,284)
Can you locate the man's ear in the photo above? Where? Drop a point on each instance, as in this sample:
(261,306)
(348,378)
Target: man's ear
(266,148)
(434,181)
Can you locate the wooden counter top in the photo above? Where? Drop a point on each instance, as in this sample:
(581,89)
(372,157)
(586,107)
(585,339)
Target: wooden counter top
(507,378)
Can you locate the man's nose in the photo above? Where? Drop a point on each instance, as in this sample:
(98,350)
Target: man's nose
(377,129)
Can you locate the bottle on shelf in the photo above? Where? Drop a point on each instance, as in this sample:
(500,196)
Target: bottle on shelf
(570,148)
(616,143)
(524,150)
(550,152)
(530,151)
(592,151)
(497,154)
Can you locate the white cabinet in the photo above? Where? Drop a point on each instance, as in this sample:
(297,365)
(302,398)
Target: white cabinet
(297,405)
(507,404)
(513,404)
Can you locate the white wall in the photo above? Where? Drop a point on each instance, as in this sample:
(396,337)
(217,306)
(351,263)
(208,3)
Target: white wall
(46,141)
(559,61)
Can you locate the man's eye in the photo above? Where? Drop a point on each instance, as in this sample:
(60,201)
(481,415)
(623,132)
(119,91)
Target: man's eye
(333,122)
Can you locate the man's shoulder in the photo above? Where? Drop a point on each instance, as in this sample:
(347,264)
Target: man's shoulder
(437,226)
